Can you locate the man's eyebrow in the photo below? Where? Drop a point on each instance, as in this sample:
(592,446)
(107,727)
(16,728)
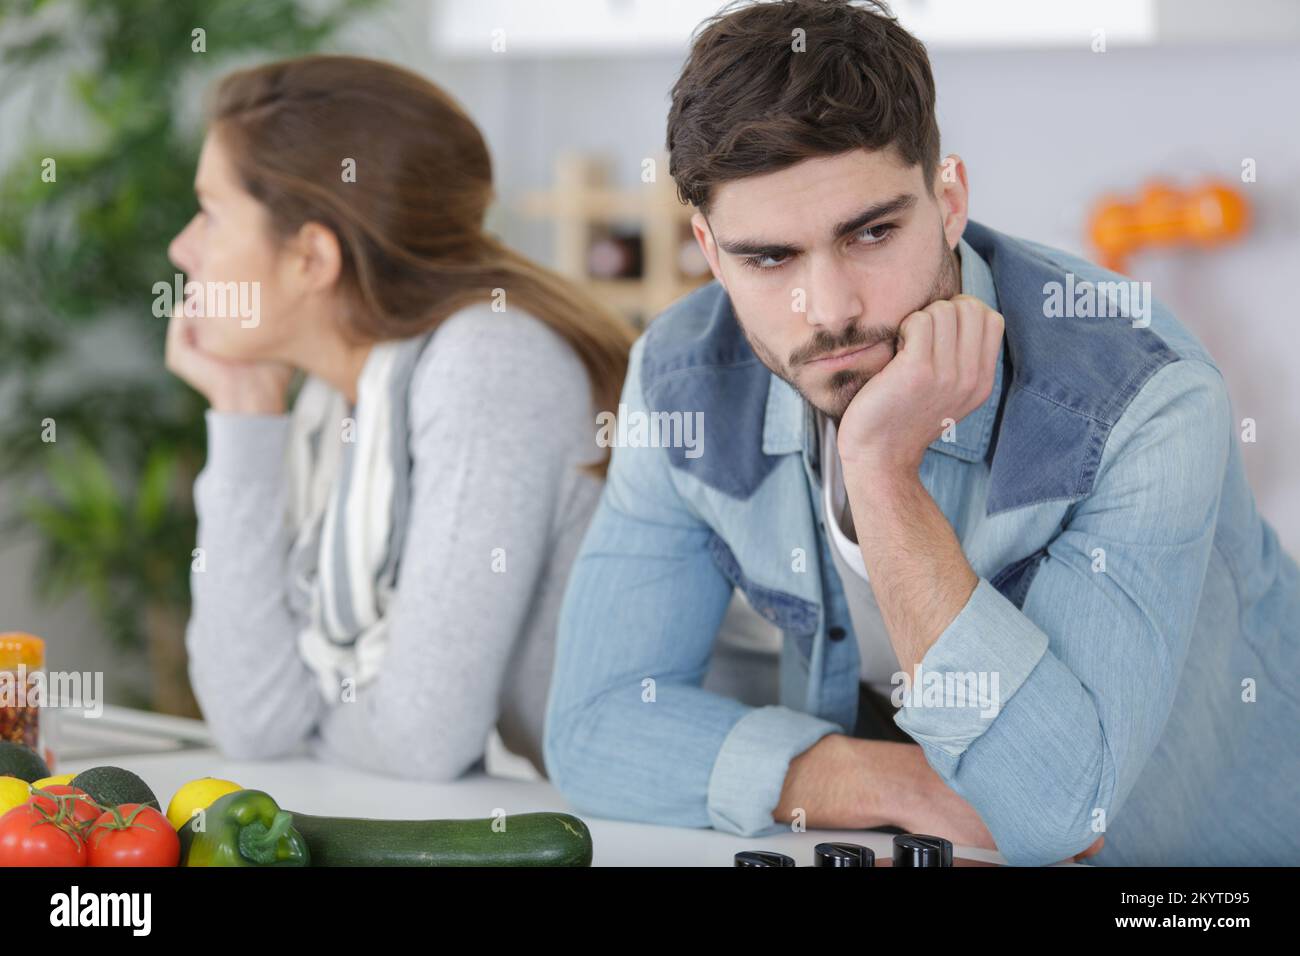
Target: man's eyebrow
(760,247)
(880,210)
(757,247)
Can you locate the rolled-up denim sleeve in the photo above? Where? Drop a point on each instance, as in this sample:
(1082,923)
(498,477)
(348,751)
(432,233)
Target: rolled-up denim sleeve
(1075,687)
(630,733)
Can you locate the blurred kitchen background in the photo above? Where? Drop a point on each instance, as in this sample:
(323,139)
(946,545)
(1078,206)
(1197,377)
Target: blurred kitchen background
(1065,112)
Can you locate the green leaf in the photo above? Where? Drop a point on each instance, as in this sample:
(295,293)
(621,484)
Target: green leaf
(152,494)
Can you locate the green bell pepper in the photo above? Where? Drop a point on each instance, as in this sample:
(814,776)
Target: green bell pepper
(244,828)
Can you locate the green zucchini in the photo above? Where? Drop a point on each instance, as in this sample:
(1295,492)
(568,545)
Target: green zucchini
(521,839)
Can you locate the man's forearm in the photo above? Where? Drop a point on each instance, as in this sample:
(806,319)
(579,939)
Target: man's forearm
(848,783)
(920,577)
(921,580)
(844,782)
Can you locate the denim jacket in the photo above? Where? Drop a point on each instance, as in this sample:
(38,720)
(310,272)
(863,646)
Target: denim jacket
(1138,615)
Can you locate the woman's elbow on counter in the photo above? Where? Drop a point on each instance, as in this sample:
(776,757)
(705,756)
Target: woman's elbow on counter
(434,767)
(250,742)
(425,751)
(240,732)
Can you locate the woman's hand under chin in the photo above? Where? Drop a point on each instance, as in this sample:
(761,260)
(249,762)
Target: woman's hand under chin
(244,388)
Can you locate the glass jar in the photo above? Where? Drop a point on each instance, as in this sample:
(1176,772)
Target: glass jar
(22,686)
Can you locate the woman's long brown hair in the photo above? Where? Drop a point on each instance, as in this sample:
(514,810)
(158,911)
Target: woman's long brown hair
(410,225)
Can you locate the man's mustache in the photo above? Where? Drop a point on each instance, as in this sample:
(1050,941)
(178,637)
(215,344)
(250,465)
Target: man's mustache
(824,344)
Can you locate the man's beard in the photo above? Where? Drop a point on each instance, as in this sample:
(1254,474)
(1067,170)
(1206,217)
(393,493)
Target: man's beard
(846,383)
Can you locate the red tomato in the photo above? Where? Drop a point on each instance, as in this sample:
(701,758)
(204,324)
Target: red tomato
(84,809)
(131,838)
(27,838)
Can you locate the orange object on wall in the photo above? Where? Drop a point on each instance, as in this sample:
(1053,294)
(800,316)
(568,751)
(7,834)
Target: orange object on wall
(1206,215)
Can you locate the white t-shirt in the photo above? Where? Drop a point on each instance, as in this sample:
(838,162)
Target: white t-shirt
(835,501)
(878,661)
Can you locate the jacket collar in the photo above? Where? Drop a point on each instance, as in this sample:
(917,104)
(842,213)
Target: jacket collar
(788,418)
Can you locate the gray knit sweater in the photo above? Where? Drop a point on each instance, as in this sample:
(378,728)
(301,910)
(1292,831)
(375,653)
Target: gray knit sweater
(501,421)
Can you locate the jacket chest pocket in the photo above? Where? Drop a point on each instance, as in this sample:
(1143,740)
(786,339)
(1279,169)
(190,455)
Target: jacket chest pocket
(794,616)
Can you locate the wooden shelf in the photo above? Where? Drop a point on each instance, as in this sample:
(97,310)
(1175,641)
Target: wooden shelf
(582,203)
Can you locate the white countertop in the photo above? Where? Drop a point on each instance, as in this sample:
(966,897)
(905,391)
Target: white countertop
(170,751)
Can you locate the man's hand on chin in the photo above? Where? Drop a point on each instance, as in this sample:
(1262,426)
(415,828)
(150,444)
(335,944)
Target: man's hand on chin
(943,369)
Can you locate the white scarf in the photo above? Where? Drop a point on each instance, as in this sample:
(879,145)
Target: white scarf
(349,496)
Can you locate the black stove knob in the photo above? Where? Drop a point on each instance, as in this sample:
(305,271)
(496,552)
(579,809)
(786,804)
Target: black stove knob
(920,849)
(843,854)
(763,858)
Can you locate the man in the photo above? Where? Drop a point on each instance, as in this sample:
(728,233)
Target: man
(1030,521)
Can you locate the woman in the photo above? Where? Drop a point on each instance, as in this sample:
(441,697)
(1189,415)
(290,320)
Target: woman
(380,568)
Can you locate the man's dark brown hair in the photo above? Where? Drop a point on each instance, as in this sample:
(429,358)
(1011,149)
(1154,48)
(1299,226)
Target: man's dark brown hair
(747,102)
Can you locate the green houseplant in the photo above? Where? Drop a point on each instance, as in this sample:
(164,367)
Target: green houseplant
(97,463)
